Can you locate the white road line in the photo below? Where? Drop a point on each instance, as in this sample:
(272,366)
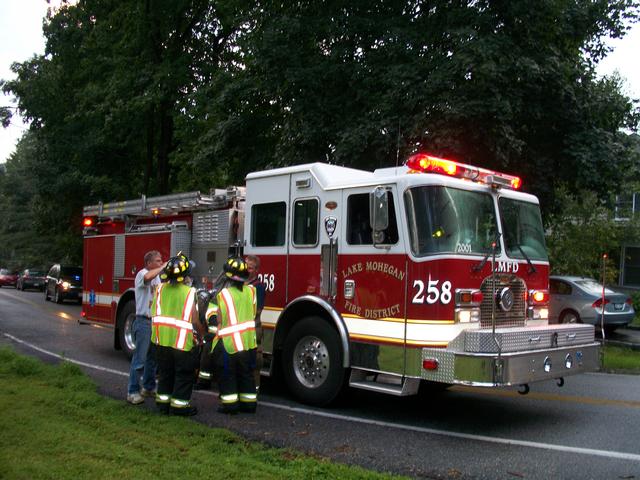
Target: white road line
(320,413)
(66,359)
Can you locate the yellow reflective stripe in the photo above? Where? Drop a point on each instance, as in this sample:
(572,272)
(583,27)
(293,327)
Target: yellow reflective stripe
(171,322)
(162,398)
(233,318)
(248,397)
(182,338)
(231,307)
(158,308)
(211,311)
(229,398)
(202,374)
(223,332)
(186,312)
(179,403)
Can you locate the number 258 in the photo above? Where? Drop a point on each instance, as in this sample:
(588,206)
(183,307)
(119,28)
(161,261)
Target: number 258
(433,292)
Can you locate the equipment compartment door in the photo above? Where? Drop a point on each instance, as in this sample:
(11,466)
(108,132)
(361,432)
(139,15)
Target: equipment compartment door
(97,285)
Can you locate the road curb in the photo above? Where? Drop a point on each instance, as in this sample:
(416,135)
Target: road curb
(618,343)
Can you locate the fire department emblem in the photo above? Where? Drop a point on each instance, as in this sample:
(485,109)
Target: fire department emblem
(505,299)
(330,224)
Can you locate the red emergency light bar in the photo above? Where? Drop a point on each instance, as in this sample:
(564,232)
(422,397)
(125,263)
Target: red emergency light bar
(423,163)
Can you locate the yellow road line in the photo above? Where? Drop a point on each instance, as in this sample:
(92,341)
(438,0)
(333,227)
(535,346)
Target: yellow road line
(551,397)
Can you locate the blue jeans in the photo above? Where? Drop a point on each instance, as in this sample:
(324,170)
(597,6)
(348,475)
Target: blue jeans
(143,357)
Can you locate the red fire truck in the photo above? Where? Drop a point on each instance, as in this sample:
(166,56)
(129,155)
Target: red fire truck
(433,272)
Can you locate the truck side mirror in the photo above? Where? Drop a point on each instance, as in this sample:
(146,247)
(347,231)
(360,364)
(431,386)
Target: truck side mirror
(378,211)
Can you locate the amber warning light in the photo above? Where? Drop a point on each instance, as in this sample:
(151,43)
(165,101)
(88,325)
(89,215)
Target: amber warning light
(87,222)
(423,163)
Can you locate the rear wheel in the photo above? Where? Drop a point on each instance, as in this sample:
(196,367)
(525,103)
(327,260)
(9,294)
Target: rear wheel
(125,328)
(570,317)
(312,361)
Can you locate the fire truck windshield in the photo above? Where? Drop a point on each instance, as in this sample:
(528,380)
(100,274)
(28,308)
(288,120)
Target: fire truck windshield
(522,230)
(448,220)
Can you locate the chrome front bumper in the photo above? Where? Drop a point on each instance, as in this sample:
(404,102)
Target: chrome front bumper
(532,355)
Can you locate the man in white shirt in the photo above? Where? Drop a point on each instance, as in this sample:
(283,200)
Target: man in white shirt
(143,358)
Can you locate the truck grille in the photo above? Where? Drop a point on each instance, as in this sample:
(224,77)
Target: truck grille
(516,316)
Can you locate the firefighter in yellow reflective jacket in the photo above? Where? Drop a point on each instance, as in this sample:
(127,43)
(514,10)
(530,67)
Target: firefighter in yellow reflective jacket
(174,321)
(208,317)
(234,348)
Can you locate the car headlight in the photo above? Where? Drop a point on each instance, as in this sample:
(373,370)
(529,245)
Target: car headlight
(66,285)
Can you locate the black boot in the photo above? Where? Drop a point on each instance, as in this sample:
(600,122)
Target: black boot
(248,407)
(202,384)
(228,409)
(184,411)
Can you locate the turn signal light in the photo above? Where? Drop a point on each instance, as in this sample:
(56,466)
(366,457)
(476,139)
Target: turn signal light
(430,364)
(87,222)
(466,297)
(539,296)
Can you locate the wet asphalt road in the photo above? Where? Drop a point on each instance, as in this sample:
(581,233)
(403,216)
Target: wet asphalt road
(589,429)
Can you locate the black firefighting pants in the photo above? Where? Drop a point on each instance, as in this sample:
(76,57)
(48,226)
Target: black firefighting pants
(207,367)
(205,373)
(259,360)
(176,372)
(235,374)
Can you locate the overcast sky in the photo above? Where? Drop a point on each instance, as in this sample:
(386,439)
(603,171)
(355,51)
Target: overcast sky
(21,38)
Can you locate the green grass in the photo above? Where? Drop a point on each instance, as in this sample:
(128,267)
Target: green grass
(622,360)
(55,426)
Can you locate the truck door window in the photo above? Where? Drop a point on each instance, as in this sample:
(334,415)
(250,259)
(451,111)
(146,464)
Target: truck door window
(268,221)
(522,229)
(359,225)
(305,222)
(448,220)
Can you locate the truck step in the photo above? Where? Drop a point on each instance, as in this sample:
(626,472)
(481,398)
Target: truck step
(384,383)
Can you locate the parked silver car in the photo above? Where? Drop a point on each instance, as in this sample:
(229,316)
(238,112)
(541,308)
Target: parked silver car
(579,300)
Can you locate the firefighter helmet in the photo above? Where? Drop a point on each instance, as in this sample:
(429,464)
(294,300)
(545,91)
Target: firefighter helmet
(177,268)
(236,269)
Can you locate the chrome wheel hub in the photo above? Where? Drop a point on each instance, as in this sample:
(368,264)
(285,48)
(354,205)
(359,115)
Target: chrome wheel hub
(311,361)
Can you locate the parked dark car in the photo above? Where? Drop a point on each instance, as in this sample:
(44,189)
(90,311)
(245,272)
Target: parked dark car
(8,278)
(31,278)
(63,283)
(579,300)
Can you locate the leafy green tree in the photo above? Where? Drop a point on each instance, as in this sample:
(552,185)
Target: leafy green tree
(584,230)
(493,83)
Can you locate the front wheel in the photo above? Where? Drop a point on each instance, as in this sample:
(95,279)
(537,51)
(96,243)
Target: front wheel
(312,361)
(125,328)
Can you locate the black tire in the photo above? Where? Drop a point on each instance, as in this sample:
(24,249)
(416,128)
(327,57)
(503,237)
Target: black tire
(57,296)
(569,316)
(312,361)
(125,328)
(608,329)
(428,388)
